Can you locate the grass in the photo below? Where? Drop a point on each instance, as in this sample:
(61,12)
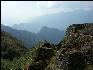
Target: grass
(21,63)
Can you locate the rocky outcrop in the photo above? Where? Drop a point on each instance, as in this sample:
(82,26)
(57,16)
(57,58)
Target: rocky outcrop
(44,53)
(74,52)
(77,47)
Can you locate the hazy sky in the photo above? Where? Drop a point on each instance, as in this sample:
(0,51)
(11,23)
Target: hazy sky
(15,12)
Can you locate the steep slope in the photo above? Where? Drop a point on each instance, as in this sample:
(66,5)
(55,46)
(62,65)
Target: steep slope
(77,48)
(74,52)
(14,55)
(52,35)
(11,47)
(59,20)
(28,38)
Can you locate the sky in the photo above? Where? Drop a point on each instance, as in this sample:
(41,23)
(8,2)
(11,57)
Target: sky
(16,12)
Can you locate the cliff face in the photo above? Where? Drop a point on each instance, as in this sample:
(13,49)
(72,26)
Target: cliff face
(79,36)
(77,48)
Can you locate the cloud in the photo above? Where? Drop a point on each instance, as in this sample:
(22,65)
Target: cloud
(52,7)
(64,4)
(46,4)
(25,10)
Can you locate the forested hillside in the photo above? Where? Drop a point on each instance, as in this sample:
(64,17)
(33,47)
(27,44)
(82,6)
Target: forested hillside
(28,38)
(11,47)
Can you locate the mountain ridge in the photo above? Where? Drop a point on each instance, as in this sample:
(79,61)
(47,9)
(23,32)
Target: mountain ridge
(60,21)
(28,38)
(31,39)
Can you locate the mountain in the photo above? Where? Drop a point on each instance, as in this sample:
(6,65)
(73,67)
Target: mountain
(74,52)
(31,39)
(28,38)
(11,47)
(52,35)
(59,20)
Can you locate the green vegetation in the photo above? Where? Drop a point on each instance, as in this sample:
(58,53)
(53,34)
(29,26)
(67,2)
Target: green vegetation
(78,30)
(74,52)
(14,55)
(11,47)
(25,60)
(89,67)
(6,64)
(20,63)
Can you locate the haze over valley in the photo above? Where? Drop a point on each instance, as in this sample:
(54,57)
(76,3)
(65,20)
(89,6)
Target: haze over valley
(46,35)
